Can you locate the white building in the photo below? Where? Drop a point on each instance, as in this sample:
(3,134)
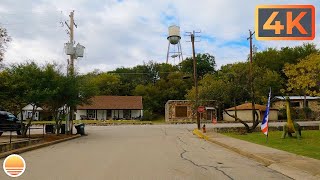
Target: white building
(27,113)
(111,107)
(244,112)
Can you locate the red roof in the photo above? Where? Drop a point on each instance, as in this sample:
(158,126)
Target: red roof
(114,102)
(248,106)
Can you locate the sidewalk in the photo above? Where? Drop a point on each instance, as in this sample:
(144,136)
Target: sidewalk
(292,165)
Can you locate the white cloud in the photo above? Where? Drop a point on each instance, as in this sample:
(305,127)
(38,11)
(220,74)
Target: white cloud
(126,33)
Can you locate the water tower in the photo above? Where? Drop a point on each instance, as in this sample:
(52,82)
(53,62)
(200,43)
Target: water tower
(174,40)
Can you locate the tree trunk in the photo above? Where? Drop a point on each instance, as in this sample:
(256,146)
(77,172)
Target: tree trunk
(248,128)
(305,106)
(235,109)
(58,124)
(255,122)
(25,130)
(238,119)
(22,125)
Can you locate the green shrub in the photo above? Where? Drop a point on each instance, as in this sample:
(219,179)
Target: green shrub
(282,114)
(296,113)
(148,115)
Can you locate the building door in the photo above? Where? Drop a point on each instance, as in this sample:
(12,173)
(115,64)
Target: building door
(109,114)
(211,113)
(126,114)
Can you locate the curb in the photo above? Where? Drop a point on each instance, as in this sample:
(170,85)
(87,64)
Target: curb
(264,161)
(283,169)
(200,135)
(37,146)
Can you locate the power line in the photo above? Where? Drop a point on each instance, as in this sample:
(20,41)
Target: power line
(142,73)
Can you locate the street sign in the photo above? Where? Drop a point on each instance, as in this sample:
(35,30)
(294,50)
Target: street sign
(201,109)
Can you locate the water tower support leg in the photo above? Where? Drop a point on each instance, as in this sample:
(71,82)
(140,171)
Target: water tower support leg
(168,52)
(180,50)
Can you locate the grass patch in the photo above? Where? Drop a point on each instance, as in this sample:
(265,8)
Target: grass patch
(159,121)
(308,145)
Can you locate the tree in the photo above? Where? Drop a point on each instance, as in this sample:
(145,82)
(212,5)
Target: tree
(205,64)
(229,87)
(41,86)
(56,86)
(155,95)
(4,40)
(275,60)
(12,94)
(22,82)
(145,74)
(303,77)
(104,83)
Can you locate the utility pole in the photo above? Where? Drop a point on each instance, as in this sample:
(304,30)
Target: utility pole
(71,69)
(195,76)
(251,76)
(74,52)
(71,41)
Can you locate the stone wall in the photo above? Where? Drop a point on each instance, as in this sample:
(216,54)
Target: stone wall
(171,114)
(171,110)
(314,106)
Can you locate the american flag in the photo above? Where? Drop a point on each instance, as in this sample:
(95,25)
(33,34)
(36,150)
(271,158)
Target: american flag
(264,124)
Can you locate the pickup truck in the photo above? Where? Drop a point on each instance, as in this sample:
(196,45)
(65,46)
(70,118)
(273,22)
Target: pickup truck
(9,122)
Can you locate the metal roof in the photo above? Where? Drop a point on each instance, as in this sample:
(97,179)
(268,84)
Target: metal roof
(296,97)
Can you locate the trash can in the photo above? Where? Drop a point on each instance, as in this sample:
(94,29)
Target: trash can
(49,128)
(80,129)
(63,129)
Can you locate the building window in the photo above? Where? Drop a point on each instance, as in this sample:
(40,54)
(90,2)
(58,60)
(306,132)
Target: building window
(91,113)
(181,111)
(295,104)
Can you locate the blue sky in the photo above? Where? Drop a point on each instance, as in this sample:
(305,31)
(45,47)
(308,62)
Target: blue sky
(130,32)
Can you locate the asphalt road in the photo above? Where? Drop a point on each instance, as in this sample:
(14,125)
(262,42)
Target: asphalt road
(139,152)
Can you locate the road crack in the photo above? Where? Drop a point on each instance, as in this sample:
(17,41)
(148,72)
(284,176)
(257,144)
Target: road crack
(181,155)
(164,131)
(217,168)
(198,165)
(181,140)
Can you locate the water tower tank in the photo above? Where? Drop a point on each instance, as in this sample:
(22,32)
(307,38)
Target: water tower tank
(174,34)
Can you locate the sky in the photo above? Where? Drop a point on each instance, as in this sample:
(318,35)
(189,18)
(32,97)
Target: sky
(125,33)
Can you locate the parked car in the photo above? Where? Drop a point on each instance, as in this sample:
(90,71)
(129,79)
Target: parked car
(9,122)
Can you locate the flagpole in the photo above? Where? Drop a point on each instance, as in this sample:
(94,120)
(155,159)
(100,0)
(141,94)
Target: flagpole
(264,123)
(269,99)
